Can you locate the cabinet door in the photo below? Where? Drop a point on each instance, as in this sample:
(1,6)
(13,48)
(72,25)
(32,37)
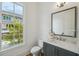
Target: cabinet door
(45,49)
(63,52)
(49,50)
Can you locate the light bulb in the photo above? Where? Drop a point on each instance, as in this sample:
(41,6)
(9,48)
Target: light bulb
(60,4)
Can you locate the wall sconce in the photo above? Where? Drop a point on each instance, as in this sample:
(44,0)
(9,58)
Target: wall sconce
(60,4)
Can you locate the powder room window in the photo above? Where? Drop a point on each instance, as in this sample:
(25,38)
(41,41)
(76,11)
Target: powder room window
(11,24)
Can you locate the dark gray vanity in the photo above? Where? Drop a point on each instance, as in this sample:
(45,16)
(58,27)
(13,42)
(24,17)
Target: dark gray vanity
(52,50)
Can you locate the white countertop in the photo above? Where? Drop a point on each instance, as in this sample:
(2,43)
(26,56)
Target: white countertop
(65,45)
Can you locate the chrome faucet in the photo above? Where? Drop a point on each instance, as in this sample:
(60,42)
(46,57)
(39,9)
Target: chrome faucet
(60,37)
(57,37)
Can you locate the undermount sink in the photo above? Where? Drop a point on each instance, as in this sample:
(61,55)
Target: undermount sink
(54,40)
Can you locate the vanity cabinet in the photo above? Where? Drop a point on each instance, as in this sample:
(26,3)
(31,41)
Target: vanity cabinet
(51,50)
(63,52)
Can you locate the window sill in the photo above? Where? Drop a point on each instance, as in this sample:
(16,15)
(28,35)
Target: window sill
(9,48)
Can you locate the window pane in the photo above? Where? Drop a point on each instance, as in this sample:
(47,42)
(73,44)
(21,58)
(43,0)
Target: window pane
(18,30)
(7,6)
(12,31)
(18,9)
(11,28)
(7,31)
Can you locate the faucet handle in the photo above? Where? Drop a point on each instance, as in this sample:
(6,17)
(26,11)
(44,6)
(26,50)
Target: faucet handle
(62,33)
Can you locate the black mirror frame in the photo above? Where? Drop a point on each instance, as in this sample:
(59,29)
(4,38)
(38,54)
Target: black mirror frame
(75,32)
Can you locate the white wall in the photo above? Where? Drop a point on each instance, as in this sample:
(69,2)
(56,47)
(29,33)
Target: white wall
(44,19)
(46,9)
(31,24)
(30,31)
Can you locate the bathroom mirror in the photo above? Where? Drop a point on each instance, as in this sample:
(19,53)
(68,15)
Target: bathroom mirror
(64,22)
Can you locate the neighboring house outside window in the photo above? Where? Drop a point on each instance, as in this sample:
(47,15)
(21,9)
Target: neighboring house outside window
(11,24)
